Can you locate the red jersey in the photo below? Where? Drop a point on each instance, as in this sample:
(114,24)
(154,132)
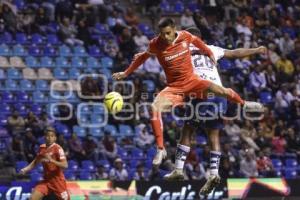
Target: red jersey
(51,171)
(175,58)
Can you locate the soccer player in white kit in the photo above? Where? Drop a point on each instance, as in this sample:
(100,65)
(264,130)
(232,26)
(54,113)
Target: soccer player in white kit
(207,70)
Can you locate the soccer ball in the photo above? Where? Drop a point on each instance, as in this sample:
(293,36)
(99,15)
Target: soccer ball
(113,102)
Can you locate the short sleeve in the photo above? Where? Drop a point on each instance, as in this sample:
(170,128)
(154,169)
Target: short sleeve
(218,52)
(61,154)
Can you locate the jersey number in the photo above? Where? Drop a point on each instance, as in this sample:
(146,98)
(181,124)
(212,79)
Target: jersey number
(203,61)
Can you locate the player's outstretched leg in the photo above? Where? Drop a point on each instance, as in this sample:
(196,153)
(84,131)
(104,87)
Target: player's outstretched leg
(36,195)
(232,96)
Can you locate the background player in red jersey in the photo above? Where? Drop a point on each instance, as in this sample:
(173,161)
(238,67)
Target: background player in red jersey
(53,159)
(172,50)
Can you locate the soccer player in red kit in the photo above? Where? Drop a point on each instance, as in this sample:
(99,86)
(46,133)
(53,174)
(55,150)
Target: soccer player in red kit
(171,48)
(53,159)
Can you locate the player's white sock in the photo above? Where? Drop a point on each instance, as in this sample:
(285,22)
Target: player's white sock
(182,152)
(215,157)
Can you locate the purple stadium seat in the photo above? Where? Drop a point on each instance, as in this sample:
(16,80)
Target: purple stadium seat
(88,165)
(7,97)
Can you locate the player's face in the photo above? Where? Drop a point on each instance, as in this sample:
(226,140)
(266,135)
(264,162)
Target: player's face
(50,138)
(168,34)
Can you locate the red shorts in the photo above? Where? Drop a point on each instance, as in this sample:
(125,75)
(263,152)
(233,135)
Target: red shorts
(59,188)
(195,86)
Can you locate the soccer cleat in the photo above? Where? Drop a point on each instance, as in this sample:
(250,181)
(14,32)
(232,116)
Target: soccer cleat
(174,175)
(160,155)
(211,183)
(252,106)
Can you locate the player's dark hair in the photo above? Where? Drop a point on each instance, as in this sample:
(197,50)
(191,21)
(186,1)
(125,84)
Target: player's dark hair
(48,130)
(195,31)
(164,22)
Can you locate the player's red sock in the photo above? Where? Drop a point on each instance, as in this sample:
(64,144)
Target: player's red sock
(157,129)
(234,97)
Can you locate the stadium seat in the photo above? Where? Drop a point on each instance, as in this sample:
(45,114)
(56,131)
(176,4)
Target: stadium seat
(291,163)
(34,51)
(88,165)
(21,38)
(96,132)
(93,62)
(85,176)
(80,51)
(123,153)
(111,129)
(137,153)
(7,38)
(63,129)
(47,62)
(36,109)
(23,97)
(97,119)
(17,62)
(37,39)
(193,6)
(77,62)
(36,177)
(277,164)
(42,85)
(11,85)
(4,62)
(31,61)
(73,165)
(70,175)
(53,27)
(148,163)
(107,62)
(3,119)
(7,97)
(64,51)
(60,74)
(133,163)
(98,109)
(44,73)
(13,73)
(20,165)
(125,130)
(26,85)
(201,140)
(62,62)
(94,51)
(53,39)
(151,153)
(49,51)
(74,73)
(5,109)
(290,173)
(2,75)
(21,108)
(80,131)
(19,50)
(104,163)
(20,4)
(179,7)
(39,97)
(101,29)
(265,97)
(165,7)
(149,85)
(225,64)
(4,50)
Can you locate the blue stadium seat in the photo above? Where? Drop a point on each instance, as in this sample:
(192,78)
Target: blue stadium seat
(85,176)
(7,38)
(70,175)
(49,51)
(3,119)
(7,97)
(19,50)
(2,74)
(80,51)
(111,129)
(80,131)
(37,39)
(62,129)
(13,73)
(101,29)
(74,73)
(151,153)
(98,109)
(31,61)
(265,97)
(149,85)
(5,109)
(97,119)
(94,51)
(291,163)
(148,163)
(26,85)
(39,97)
(277,164)
(123,153)
(133,163)
(77,62)
(20,165)
(165,7)
(93,62)
(137,153)
(201,140)
(65,51)
(4,50)
(11,85)
(88,165)
(73,97)
(21,108)
(179,7)
(85,109)
(42,85)
(21,38)
(125,130)
(107,62)
(225,64)
(47,62)
(193,6)
(73,165)
(60,74)
(34,51)
(290,173)
(104,163)
(53,27)
(96,132)
(23,97)
(36,177)
(62,62)
(53,39)
(36,109)
(84,119)
(20,4)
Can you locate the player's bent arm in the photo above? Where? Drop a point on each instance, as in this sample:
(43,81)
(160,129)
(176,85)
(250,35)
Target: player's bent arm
(203,47)
(244,52)
(139,59)
(62,163)
(30,166)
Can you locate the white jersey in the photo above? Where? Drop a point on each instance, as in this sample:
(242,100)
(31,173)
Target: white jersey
(203,66)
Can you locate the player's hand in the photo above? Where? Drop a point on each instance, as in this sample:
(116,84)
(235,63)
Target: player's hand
(262,50)
(137,55)
(24,171)
(119,76)
(48,157)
